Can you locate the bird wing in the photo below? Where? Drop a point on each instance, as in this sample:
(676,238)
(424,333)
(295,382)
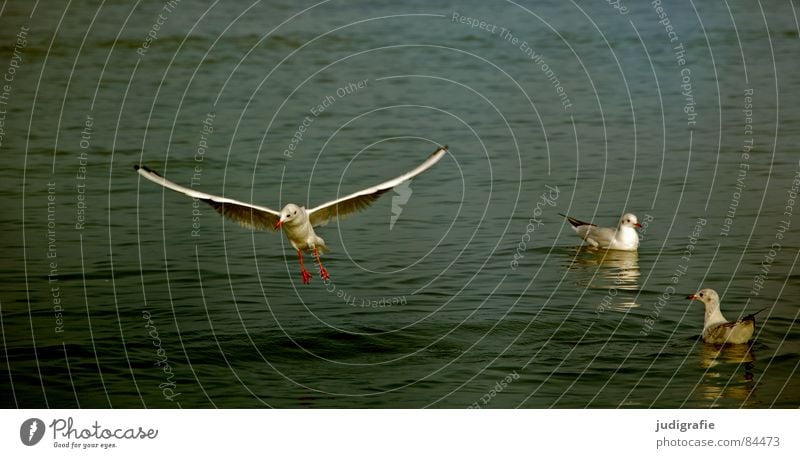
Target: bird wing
(747,320)
(352,203)
(248,215)
(717,334)
(734,332)
(603,236)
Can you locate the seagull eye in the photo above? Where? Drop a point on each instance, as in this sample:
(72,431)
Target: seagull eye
(701,294)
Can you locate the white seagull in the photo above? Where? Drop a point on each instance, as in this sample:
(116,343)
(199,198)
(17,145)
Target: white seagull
(624,237)
(297,222)
(718,330)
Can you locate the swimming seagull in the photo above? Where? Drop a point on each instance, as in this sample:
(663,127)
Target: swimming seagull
(296,221)
(624,237)
(718,330)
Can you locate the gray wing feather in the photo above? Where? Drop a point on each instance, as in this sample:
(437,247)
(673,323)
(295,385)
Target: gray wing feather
(352,203)
(248,215)
(735,332)
(600,235)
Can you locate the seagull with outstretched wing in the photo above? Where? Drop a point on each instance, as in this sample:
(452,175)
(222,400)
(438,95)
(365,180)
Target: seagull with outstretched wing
(296,221)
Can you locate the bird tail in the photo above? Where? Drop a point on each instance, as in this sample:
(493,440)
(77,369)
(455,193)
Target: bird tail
(752,316)
(576,222)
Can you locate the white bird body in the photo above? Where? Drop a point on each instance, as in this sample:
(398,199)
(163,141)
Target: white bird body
(718,330)
(624,237)
(296,221)
(301,233)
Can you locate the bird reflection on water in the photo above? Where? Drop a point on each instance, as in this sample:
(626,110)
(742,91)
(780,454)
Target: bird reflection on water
(728,373)
(615,271)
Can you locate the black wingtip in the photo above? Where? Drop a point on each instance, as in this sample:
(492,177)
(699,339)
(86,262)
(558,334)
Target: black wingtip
(146,169)
(576,222)
(753,315)
(437,151)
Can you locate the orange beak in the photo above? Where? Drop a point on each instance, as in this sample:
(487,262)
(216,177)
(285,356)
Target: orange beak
(278,224)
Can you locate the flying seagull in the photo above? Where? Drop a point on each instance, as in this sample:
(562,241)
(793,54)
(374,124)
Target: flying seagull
(624,237)
(296,221)
(718,330)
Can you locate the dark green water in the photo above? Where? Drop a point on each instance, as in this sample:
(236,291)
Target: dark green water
(474,291)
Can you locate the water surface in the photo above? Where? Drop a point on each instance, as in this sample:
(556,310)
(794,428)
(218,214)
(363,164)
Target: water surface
(469,290)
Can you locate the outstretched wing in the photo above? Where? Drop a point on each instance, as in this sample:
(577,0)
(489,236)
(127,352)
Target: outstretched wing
(352,203)
(248,215)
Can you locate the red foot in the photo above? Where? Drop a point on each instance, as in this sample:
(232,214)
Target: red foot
(322,271)
(306,274)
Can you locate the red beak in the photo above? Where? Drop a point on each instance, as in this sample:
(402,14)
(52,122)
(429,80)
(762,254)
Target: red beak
(278,224)
(691,297)
(638,225)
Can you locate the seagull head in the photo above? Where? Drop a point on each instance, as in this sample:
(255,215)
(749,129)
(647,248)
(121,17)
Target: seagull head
(707,296)
(290,215)
(629,220)
(710,299)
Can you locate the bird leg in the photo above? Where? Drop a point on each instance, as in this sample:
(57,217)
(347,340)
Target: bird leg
(303,271)
(323,272)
